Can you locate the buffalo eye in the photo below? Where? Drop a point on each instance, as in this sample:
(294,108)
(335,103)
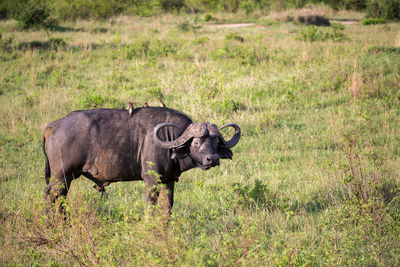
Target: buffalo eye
(196,142)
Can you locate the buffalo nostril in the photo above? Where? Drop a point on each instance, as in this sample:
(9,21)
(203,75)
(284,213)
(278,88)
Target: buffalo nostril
(212,160)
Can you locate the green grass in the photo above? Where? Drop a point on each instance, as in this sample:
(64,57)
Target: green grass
(314,179)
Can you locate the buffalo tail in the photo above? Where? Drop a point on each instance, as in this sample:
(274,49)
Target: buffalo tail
(47,166)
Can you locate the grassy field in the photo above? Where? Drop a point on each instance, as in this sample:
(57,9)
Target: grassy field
(314,179)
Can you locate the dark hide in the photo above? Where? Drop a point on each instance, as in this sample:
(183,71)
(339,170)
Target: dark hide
(112,145)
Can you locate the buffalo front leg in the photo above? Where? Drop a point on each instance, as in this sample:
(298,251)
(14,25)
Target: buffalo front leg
(170,195)
(152,193)
(154,190)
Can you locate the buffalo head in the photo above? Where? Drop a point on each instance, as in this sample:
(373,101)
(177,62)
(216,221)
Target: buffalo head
(203,142)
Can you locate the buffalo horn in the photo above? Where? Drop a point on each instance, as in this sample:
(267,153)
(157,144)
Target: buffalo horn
(236,136)
(185,136)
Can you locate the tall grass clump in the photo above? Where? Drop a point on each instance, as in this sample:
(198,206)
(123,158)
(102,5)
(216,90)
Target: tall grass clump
(241,51)
(367,217)
(150,49)
(377,81)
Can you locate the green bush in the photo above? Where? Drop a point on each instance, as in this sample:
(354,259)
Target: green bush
(34,14)
(185,26)
(336,33)
(248,6)
(150,49)
(312,34)
(6,44)
(83,9)
(386,9)
(384,49)
(201,40)
(4,10)
(9,8)
(372,21)
(258,193)
(208,17)
(234,36)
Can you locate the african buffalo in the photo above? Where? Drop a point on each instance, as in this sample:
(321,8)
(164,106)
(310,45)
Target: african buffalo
(112,145)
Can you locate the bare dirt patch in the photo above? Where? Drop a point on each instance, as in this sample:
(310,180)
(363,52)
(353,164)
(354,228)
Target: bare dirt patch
(344,22)
(233,25)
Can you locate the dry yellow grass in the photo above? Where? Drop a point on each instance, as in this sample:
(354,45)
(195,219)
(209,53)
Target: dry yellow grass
(356,83)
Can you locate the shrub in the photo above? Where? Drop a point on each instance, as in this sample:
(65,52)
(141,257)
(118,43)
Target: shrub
(258,194)
(99,30)
(9,8)
(82,9)
(386,9)
(6,44)
(313,20)
(312,34)
(248,6)
(312,15)
(201,40)
(372,21)
(234,36)
(4,11)
(57,41)
(208,17)
(145,8)
(384,49)
(336,33)
(154,48)
(52,43)
(34,14)
(184,26)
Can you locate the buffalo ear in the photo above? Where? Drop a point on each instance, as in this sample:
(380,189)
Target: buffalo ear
(224,152)
(180,152)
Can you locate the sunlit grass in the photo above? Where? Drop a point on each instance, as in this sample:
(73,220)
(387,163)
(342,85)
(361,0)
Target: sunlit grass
(284,199)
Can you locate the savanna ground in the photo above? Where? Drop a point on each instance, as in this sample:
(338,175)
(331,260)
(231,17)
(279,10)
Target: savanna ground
(314,179)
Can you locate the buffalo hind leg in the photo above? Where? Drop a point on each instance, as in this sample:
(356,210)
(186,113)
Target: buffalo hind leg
(99,185)
(58,187)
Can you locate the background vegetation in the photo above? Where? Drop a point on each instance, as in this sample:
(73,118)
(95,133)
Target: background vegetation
(314,179)
(101,9)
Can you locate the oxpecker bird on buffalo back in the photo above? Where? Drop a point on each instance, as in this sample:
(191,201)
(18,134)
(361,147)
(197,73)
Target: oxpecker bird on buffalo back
(113,145)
